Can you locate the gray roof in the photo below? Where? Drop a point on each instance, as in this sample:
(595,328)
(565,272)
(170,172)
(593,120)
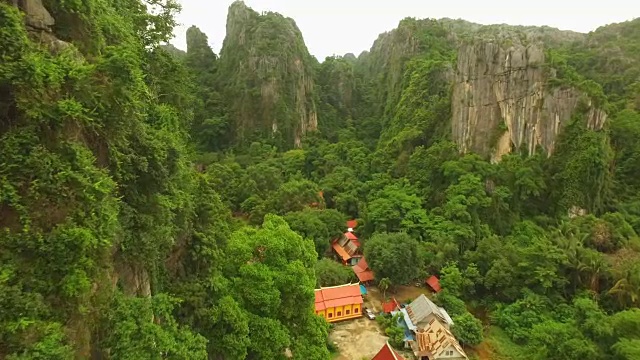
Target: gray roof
(422,307)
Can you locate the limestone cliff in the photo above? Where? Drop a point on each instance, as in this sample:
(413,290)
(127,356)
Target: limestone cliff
(502,100)
(503,93)
(267,75)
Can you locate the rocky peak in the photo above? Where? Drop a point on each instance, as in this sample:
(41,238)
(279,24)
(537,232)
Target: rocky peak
(267,73)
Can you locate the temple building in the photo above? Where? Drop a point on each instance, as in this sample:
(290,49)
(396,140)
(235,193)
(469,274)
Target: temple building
(340,302)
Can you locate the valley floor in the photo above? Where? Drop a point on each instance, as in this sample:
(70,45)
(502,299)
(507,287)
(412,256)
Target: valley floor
(362,338)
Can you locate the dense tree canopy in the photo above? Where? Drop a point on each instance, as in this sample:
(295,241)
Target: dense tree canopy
(395,256)
(158,203)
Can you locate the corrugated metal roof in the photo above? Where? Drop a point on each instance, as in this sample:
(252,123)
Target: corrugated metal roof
(341,251)
(407,319)
(422,307)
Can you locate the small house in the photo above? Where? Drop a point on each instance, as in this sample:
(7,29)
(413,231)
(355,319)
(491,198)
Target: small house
(434,283)
(340,302)
(422,310)
(351,225)
(387,353)
(347,246)
(435,341)
(390,306)
(363,272)
(427,331)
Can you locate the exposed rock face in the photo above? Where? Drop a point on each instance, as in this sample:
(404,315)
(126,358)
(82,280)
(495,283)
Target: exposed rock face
(267,74)
(502,101)
(37,16)
(39,23)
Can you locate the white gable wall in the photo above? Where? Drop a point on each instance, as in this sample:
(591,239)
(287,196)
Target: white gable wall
(455,354)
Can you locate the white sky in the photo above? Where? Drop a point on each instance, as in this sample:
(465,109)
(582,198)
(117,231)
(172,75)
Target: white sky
(341,26)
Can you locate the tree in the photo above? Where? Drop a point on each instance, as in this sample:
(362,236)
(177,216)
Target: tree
(133,333)
(340,188)
(319,225)
(396,208)
(467,329)
(394,256)
(452,280)
(294,195)
(272,276)
(331,273)
(384,285)
(627,286)
(231,330)
(627,349)
(555,341)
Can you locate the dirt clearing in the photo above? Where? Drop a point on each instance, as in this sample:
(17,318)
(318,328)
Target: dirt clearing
(357,339)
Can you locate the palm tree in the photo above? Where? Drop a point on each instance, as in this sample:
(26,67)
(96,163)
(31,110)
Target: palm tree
(627,288)
(384,285)
(592,264)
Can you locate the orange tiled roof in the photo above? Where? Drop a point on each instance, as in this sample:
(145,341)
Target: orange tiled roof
(365,276)
(337,296)
(350,236)
(362,264)
(351,224)
(362,271)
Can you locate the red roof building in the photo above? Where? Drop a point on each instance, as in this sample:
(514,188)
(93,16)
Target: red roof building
(347,247)
(362,271)
(390,306)
(352,238)
(434,283)
(387,353)
(351,224)
(344,255)
(339,302)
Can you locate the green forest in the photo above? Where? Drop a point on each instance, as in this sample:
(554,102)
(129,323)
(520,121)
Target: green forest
(157,203)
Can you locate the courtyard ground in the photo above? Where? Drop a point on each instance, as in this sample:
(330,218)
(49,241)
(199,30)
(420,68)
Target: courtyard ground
(362,338)
(357,339)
